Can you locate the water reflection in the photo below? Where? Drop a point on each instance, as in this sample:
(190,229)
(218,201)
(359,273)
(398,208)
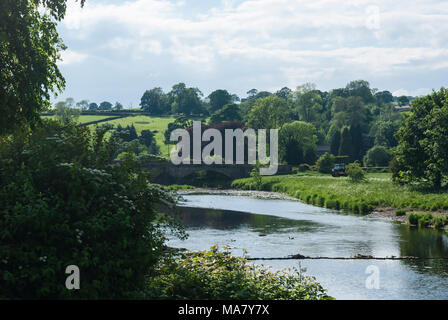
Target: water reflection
(200,218)
(424,243)
(276,228)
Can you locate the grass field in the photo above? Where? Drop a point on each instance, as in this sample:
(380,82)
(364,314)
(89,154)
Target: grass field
(340,193)
(159,124)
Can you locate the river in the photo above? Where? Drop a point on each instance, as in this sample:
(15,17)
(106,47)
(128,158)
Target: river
(279,228)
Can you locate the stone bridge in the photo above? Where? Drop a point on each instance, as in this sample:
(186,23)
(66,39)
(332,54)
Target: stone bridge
(232,171)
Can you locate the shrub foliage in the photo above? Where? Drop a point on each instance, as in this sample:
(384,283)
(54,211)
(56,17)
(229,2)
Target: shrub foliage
(217,274)
(65,202)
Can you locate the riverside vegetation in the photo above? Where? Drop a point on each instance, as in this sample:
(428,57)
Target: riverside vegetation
(219,275)
(378,192)
(65,201)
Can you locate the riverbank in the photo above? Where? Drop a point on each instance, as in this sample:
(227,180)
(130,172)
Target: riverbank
(386,213)
(377,197)
(270,195)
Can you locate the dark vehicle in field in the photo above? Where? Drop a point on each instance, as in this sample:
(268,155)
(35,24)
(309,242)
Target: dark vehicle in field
(339,170)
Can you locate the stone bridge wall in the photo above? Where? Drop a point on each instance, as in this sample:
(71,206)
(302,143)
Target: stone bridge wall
(232,171)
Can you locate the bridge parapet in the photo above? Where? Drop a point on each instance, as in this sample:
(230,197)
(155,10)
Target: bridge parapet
(232,171)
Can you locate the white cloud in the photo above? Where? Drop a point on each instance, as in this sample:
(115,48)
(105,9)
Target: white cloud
(272,41)
(71,57)
(400,92)
(414,93)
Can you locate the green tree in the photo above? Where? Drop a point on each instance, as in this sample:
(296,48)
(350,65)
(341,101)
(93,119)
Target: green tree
(230,112)
(349,111)
(147,138)
(422,151)
(83,105)
(360,88)
(403,101)
(186,100)
(218,99)
(29,50)
(383,133)
(346,144)
(284,93)
(325,163)
(357,141)
(118,106)
(269,113)
(309,105)
(334,139)
(252,92)
(66,114)
(384,97)
(105,106)
(378,156)
(93,106)
(297,143)
(155,102)
(235,98)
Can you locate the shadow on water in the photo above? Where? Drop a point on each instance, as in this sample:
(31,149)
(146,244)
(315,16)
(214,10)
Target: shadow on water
(424,243)
(201,218)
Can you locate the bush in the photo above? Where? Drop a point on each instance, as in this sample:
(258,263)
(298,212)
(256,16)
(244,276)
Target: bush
(355,172)
(256,176)
(378,156)
(400,212)
(211,275)
(440,222)
(332,204)
(364,208)
(425,220)
(63,202)
(325,163)
(321,201)
(421,219)
(413,219)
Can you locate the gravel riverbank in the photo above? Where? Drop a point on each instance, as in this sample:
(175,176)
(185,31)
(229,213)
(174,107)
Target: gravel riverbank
(235,192)
(385,213)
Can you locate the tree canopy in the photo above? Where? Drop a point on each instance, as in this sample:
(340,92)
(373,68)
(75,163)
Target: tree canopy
(218,99)
(230,112)
(155,102)
(269,113)
(29,50)
(297,143)
(422,151)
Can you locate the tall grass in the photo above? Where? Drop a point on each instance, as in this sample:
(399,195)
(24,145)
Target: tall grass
(340,193)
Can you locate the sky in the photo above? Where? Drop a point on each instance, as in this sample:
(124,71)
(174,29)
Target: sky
(118,49)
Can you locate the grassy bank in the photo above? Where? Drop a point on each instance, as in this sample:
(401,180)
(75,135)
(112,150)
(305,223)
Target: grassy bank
(339,193)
